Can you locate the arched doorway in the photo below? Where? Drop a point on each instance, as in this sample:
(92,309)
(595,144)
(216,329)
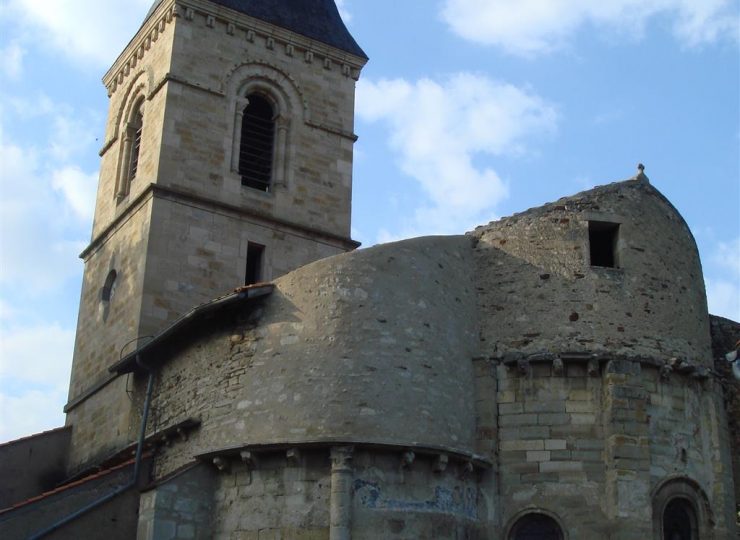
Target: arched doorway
(681,510)
(679,520)
(536,526)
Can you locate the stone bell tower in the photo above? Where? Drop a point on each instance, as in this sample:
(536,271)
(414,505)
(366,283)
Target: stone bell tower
(227,161)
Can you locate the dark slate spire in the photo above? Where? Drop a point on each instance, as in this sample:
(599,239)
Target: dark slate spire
(316,19)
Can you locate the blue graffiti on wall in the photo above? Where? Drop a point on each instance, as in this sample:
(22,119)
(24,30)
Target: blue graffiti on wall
(458,501)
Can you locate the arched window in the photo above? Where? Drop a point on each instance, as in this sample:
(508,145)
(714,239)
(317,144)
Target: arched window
(536,526)
(681,510)
(136,126)
(256,151)
(679,520)
(107,293)
(131,149)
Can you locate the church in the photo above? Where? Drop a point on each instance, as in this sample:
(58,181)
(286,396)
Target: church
(243,372)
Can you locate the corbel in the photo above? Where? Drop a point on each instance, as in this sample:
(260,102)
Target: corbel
(293,455)
(466,469)
(327,63)
(230,29)
(249,459)
(407,458)
(210,21)
(524,367)
(557,367)
(250,36)
(665,371)
(270,43)
(592,368)
(222,464)
(289,49)
(309,57)
(440,463)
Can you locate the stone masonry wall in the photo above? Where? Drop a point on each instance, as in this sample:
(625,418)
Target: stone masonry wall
(173,250)
(277,498)
(152,48)
(592,449)
(32,465)
(206,84)
(725,336)
(197,254)
(552,448)
(415,503)
(537,291)
(306,373)
(103,331)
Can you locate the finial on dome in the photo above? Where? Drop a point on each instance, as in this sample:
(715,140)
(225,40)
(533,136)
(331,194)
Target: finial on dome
(641,173)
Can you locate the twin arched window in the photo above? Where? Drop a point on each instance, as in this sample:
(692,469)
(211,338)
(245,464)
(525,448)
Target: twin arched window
(257,146)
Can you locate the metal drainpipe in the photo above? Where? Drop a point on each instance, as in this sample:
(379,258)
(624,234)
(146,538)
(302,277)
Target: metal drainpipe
(137,467)
(340,502)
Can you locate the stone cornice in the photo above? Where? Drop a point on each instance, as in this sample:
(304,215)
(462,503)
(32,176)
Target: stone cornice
(252,30)
(141,43)
(273,37)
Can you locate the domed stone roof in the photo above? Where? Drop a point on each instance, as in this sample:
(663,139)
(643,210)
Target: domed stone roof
(316,19)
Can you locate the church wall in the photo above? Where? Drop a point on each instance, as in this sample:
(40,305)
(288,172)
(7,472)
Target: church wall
(104,328)
(305,374)
(535,265)
(142,80)
(197,254)
(415,502)
(312,180)
(725,337)
(552,447)
(32,465)
(592,449)
(689,438)
(276,500)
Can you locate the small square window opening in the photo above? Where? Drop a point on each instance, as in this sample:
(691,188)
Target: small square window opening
(255,254)
(602,241)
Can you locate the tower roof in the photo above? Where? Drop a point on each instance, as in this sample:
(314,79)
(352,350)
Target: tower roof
(315,19)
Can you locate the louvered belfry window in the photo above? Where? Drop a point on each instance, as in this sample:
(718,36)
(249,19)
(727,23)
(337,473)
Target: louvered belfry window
(137,125)
(257,143)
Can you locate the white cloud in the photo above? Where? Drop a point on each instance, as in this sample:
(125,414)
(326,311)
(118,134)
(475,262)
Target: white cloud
(723,298)
(36,253)
(438,129)
(31,412)
(6,312)
(528,27)
(70,135)
(35,364)
(11,61)
(84,30)
(78,189)
(727,256)
(722,278)
(38,356)
(343,11)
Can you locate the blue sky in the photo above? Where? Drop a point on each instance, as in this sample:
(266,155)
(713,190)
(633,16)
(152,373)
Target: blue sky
(469,110)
